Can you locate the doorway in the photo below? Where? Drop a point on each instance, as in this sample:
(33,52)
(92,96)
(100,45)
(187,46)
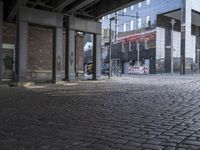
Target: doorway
(8,61)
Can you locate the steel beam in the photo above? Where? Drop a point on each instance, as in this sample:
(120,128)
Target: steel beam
(80,5)
(41,17)
(61,4)
(14,8)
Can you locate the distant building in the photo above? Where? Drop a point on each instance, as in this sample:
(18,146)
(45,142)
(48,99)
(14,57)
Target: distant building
(146,27)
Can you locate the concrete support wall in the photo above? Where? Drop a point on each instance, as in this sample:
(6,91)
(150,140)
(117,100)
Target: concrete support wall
(98,55)
(74,25)
(22,49)
(1,36)
(57,54)
(70,61)
(25,16)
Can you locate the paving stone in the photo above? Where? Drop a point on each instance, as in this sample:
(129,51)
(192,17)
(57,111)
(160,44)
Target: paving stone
(191,142)
(127,113)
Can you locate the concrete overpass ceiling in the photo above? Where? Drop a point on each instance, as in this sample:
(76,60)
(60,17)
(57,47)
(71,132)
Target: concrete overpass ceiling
(92,9)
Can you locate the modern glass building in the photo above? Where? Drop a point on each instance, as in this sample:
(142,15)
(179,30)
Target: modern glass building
(145,33)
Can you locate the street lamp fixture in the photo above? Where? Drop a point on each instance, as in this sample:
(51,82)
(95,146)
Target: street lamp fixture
(172,22)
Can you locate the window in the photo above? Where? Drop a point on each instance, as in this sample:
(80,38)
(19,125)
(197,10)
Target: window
(130,46)
(108,16)
(140,4)
(139,23)
(133,46)
(103,18)
(132,7)
(125,47)
(125,10)
(146,44)
(148,2)
(124,26)
(148,21)
(131,25)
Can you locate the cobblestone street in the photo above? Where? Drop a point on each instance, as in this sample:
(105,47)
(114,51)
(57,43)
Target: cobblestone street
(129,113)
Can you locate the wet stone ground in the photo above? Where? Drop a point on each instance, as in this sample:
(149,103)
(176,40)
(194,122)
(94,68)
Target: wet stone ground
(129,113)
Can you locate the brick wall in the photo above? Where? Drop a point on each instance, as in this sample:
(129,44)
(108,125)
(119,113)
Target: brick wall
(9,33)
(40,47)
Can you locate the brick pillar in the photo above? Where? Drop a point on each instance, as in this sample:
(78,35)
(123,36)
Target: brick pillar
(21,51)
(57,54)
(1,41)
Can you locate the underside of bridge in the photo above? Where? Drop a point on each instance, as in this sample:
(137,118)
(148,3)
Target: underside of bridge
(66,18)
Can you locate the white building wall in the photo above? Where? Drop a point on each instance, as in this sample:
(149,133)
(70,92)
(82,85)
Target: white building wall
(190,40)
(160,43)
(195,4)
(191,49)
(177,44)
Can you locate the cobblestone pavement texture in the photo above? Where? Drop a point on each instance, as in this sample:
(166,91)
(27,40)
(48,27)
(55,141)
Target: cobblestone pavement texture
(147,112)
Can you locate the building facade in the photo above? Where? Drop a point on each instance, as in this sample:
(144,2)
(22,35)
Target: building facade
(143,34)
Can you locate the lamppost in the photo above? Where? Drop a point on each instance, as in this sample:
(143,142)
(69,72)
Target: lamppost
(172,46)
(110,45)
